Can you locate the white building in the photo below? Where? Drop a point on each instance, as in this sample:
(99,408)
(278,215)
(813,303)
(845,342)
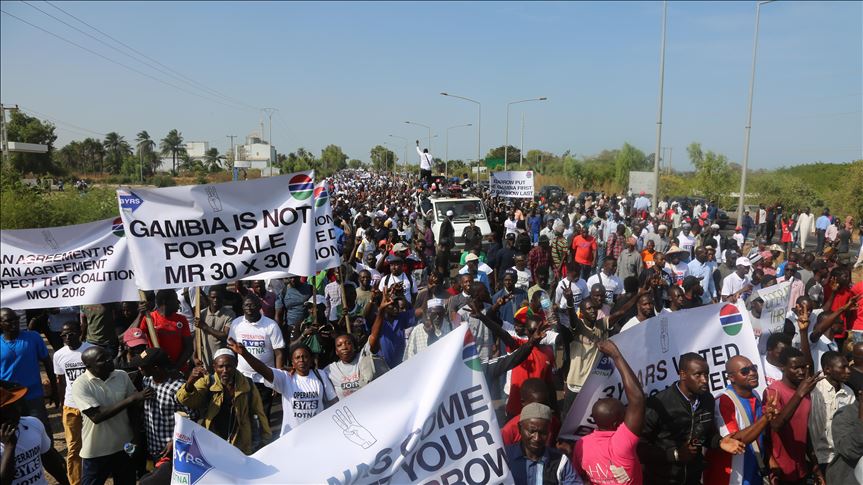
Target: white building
(255,153)
(197,149)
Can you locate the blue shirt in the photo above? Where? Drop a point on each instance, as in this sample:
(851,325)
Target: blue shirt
(704,272)
(292,301)
(535,223)
(528,472)
(822,223)
(507,311)
(19,361)
(392,337)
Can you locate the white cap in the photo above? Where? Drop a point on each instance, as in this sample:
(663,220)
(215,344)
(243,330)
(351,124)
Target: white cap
(450,213)
(742,261)
(435,303)
(471,257)
(222,352)
(714,226)
(661,227)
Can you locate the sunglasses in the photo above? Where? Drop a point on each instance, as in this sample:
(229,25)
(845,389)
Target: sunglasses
(744,371)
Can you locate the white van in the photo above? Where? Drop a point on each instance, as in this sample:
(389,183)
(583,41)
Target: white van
(435,209)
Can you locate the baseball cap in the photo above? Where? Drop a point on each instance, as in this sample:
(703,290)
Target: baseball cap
(450,213)
(742,261)
(11,392)
(471,257)
(134,337)
(399,247)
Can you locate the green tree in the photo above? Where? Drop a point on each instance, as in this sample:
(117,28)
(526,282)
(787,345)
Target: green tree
(213,160)
(712,173)
(333,159)
(28,129)
(383,158)
(787,190)
(628,158)
(94,152)
(172,145)
(298,161)
(71,157)
(513,155)
(116,148)
(146,151)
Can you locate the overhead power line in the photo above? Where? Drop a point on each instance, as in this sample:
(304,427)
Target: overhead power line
(164,69)
(138,71)
(58,121)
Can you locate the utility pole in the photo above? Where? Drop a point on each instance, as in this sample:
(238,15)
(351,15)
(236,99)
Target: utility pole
(269,112)
(4,136)
(233,158)
(521,150)
(656,152)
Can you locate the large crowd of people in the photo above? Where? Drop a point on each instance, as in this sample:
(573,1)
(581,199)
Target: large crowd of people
(542,293)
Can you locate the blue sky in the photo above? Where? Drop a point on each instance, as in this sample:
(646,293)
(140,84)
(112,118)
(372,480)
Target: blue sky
(352,73)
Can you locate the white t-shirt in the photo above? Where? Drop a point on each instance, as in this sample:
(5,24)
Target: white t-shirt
(678,272)
(390,280)
(510,225)
(579,292)
(345,378)
(302,396)
(522,278)
(67,363)
(259,338)
(612,285)
(771,372)
(819,348)
(629,324)
(733,283)
(685,242)
(32,443)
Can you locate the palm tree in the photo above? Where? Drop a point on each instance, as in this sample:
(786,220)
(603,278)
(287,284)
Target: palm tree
(213,160)
(93,151)
(116,147)
(146,146)
(172,145)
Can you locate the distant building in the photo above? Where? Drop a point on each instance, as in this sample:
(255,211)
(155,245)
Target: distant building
(197,149)
(255,153)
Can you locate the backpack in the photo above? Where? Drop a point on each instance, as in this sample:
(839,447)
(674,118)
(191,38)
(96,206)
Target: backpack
(371,366)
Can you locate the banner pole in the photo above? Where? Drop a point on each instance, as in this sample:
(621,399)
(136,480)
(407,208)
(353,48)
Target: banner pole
(199,335)
(151,329)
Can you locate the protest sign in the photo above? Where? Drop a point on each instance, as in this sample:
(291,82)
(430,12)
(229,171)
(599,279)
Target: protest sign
(325,231)
(439,428)
(773,312)
(66,266)
(203,235)
(652,349)
(516,185)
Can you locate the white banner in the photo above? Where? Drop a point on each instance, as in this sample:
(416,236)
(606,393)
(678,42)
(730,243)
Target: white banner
(516,185)
(202,235)
(66,266)
(773,312)
(326,245)
(399,429)
(652,349)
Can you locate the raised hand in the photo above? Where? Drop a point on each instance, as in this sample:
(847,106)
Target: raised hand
(808,384)
(236,347)
(9,434)
(198,372)
(609,348)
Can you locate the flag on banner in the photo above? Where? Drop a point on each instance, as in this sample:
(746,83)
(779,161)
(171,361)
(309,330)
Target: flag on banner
(202,235)
(429,420)
(652,349)
(66,266)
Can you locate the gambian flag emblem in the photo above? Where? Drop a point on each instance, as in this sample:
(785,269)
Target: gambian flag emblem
(731,320)
(469,354)
(301,186)
(322,195)
(117,227)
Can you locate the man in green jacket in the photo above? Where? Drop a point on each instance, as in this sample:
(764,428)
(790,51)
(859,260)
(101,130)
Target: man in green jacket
(229,404)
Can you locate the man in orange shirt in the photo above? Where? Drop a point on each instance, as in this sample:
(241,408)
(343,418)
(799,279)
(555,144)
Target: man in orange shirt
(172,329)
(584,249)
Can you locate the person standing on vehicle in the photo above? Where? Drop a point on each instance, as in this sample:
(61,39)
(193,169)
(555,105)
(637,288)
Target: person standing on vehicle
(425,164)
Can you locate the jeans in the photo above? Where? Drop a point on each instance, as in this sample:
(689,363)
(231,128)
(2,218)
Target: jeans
(118,465)
(819,234)
(72,423)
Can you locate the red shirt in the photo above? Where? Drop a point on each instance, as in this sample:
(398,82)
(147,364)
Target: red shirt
(585,249)
(511,433)
(841,298)
(789,443)
(538,364)
(857,324)
(170,331)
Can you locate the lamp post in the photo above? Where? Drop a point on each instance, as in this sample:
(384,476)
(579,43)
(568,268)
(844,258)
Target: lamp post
(446,151)
(656,153)
(426,127)
(478,127)
(506,138)
(748,126)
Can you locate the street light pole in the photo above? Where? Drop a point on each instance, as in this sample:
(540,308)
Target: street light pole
(656,153)
(478,128)
(748,126)
(446,151)
(506,138)
(521,150)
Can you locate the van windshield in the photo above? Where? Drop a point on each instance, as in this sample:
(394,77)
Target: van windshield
(462,210)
